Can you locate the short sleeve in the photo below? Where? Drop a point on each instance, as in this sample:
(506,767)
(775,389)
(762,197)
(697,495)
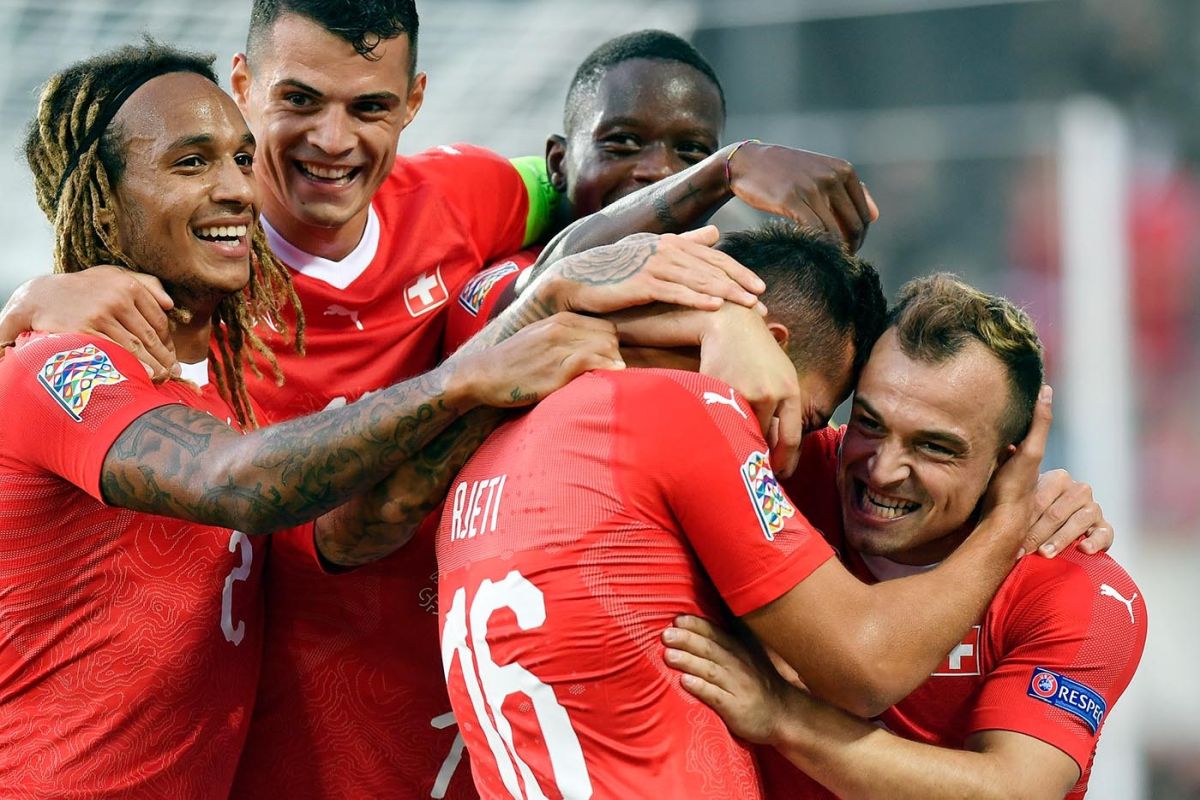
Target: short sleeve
(1073,631)
(67,400)
(488,194)
(701,443)
(476,303)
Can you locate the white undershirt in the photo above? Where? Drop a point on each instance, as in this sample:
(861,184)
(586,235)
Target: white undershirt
(338,274)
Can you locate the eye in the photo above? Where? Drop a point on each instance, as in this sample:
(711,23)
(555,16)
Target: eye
(693,152)
(370,108)
(620,143)
(245,160)
(936,450)
(865,424)
(190,162)
(297,99)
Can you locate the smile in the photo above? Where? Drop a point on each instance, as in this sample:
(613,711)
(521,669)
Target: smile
(327,174)
(225,234)
(881,506)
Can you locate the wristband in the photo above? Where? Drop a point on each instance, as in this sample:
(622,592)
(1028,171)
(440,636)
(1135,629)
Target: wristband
(729,158)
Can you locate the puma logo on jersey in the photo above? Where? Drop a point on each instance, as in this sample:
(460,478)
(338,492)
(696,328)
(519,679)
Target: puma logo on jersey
(1108,591)
(341,311)
(712,397)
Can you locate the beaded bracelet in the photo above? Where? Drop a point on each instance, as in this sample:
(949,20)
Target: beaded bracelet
(728,158)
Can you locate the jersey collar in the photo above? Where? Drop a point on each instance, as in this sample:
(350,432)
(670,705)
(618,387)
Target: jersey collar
(338,274)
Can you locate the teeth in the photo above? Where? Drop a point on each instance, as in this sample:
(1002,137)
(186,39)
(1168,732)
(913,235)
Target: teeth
(326,173)
(222,232)
(884,506)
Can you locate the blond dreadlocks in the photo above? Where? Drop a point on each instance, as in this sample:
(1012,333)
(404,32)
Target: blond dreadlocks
(77,161)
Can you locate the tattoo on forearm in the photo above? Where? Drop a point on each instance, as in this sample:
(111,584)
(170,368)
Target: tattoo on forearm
(663,213)
(180,462)
(610,264)
(376,524)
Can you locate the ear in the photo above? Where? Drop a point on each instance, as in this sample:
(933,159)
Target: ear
(416,96)
(780,332)
(239,82)
(556,156)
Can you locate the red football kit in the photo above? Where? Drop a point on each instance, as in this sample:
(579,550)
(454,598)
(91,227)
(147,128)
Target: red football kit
(477,301)
(571,540)
(1051,656)
(131,642)
(352,702)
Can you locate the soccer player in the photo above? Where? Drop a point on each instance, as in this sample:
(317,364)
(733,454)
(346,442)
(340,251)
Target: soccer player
(641,108)
(1016,708)
(132,606)
(553,577)
(378,246)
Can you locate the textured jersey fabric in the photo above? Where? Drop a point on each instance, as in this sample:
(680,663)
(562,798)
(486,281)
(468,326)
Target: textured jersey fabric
(571,540)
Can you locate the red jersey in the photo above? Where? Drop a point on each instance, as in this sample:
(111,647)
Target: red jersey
(131,643)
(477,301)
(1054,651)
(351,675)
(572,539)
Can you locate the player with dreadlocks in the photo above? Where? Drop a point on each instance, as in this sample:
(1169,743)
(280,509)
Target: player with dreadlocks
(76,164)
(133,609)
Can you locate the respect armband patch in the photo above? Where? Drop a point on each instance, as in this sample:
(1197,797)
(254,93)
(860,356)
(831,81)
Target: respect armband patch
(1071,696)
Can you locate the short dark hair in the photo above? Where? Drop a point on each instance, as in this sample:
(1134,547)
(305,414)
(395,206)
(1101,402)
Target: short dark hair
(937,316)
(362,23)
(651,44)
(817,289)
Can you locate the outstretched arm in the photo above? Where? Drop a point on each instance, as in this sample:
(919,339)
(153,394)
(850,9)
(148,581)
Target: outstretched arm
(817,191)
(849,756)
(182,463)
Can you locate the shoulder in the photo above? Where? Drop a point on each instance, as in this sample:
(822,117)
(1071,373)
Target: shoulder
(71,356)
(449,161)
(1089,594)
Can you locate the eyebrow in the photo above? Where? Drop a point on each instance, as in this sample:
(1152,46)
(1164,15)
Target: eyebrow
(946,437)
(194,139)
(304,87)
(631,122)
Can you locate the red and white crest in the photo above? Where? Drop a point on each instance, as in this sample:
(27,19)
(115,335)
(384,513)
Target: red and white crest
(425,292)
(964,658)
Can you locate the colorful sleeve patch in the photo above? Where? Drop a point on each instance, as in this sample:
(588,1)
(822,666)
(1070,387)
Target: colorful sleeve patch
(771,505)
(476,290)
(72,375)
(1068,695)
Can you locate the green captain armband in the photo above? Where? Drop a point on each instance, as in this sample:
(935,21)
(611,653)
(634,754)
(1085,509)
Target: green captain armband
(543,199)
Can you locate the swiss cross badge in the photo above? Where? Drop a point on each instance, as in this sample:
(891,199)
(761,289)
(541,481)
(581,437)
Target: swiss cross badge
(425,292)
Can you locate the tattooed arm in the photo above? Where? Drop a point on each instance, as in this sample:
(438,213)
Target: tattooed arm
(818,191)
(183,463)
(376,524)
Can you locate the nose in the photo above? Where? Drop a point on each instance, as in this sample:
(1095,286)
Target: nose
(235,185)
(332,132)
(655,162)
(888,466)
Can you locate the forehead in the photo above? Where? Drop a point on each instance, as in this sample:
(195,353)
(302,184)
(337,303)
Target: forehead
(660,92)
(296,48)
(968,394)
(176,105)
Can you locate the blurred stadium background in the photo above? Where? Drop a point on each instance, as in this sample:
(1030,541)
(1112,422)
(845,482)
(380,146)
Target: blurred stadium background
(1045,149)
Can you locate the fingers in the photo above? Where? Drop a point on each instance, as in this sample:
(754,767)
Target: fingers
(702,627)
(154,286)
(1098,539)
(851,221)
(785,455)
(707,236)
(872,208)
(1027,458)
(148,325)
(705,271)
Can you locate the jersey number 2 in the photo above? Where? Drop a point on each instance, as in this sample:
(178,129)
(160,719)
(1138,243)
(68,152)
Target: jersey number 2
(491,683)
(237,542)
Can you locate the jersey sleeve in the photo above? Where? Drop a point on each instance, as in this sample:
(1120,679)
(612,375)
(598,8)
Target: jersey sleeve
(701,442)
(501,207)
(1073,634)
(476,303)
(67,400)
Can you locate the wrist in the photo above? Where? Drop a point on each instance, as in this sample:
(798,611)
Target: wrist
(734,149)
(790,732)
(459,380)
